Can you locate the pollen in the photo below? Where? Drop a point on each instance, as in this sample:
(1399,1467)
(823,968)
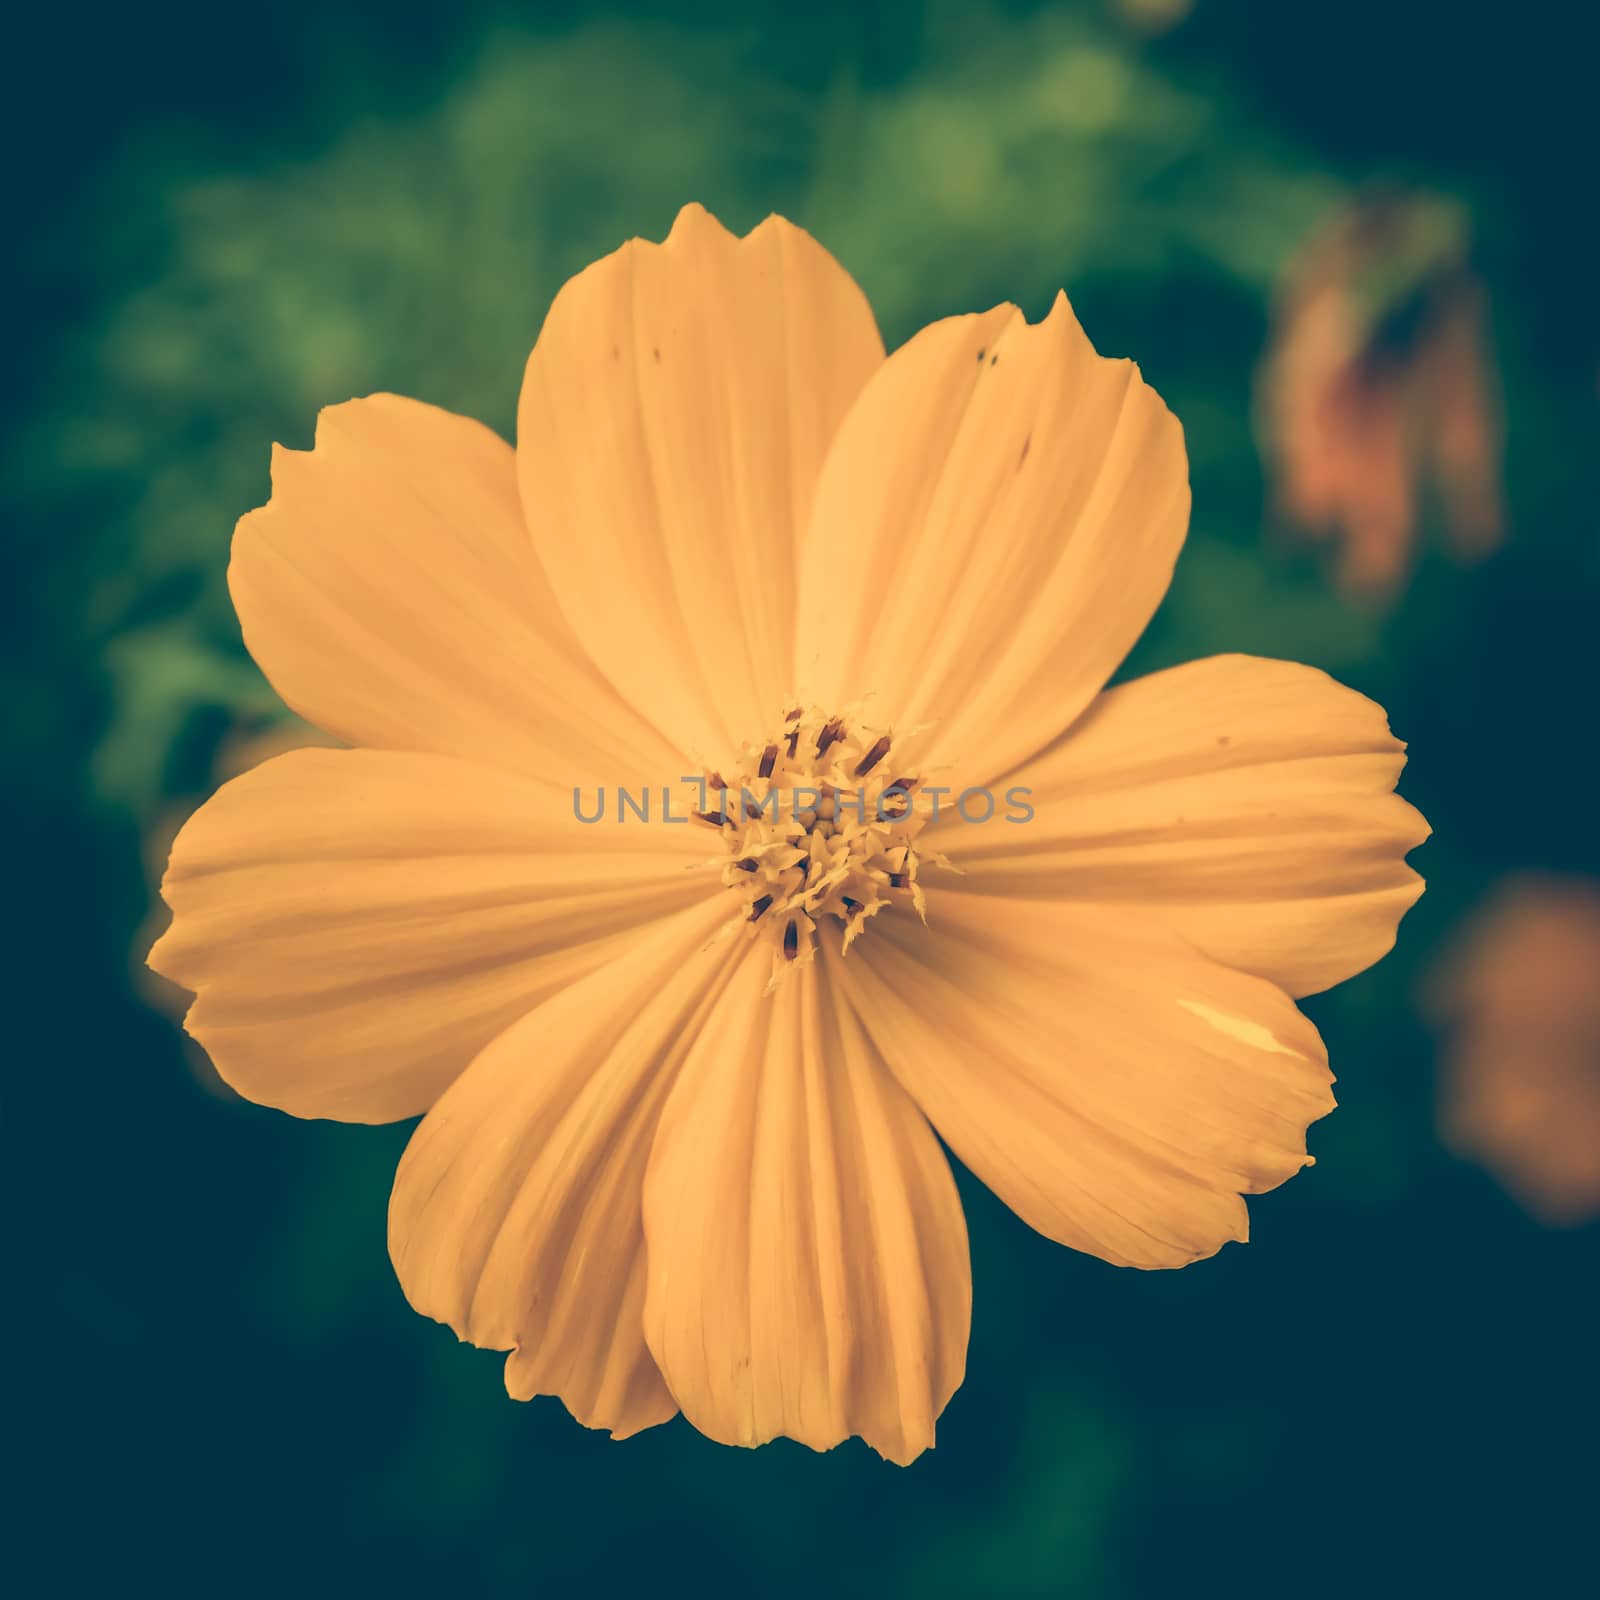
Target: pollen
(819,837)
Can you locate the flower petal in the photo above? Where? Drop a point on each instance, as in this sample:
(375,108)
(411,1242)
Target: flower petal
(994,526)
(1114,1087)
(357,924)
(389,591)
(674,416)
(515,1216)
(1247,804)
(808,1270)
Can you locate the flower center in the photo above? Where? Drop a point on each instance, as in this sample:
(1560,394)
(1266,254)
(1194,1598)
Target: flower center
(820,833)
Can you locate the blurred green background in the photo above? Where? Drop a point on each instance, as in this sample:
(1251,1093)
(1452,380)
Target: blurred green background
(224,219)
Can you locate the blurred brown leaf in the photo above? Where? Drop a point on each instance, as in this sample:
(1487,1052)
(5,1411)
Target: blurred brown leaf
(1379,385)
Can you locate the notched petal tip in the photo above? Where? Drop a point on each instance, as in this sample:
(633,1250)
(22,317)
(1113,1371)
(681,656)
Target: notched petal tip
(292,471)
(695,223)
(158,958)
(620,1415)
(1421,827)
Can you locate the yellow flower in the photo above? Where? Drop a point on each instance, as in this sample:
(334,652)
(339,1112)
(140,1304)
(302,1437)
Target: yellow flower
(735,541)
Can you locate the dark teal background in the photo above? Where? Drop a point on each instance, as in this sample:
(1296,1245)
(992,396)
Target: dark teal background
(221,220)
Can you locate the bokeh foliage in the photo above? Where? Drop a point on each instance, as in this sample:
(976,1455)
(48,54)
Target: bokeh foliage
(224,1377)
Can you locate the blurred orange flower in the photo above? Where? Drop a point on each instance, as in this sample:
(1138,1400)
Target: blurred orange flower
(1519,1076)
(1378,383)
(678,1148)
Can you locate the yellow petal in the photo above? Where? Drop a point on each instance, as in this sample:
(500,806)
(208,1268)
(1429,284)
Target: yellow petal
(357,924)
(994,526)
(673,419)
(389,592)
(1115,1088)
(1246,804)
(808,1271)
(515,1215)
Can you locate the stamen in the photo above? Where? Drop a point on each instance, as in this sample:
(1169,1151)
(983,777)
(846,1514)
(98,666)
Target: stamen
(812,845)
(897,798)
(872,757)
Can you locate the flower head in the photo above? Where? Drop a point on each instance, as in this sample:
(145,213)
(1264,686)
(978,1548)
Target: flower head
(679,1084)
